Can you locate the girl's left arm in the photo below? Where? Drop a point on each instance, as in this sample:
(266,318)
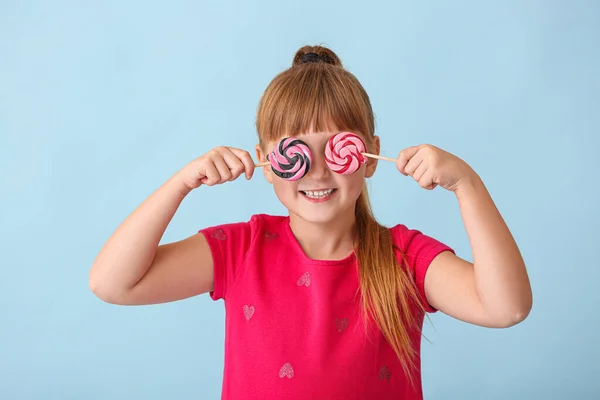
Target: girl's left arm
(494,290)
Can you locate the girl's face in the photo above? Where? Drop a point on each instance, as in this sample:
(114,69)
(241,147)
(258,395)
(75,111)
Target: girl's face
(321,196)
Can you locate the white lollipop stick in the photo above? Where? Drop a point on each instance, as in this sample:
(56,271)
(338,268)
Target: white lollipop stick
(379,157)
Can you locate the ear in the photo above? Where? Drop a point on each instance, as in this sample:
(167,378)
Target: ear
(262,157)
(372,162)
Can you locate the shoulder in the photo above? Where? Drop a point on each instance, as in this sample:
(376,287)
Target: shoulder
(404,236)
(417,247)
(236,244)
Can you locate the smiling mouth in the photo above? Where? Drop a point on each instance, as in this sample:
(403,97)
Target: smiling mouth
(317,194)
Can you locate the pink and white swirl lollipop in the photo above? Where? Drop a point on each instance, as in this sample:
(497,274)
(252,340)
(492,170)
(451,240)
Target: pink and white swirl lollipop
(344,153)
(291,159)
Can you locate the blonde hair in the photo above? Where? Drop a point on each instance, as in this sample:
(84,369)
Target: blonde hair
(314,95)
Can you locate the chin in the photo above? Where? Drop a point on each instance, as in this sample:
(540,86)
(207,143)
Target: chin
(316,217)
(321,213)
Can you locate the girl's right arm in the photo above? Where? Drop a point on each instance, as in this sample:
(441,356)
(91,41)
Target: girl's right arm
(133,269)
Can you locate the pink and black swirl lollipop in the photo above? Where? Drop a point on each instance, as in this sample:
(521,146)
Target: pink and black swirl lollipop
(344,153)
(291,159)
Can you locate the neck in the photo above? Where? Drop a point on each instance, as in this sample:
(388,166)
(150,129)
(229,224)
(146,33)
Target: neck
(325,241)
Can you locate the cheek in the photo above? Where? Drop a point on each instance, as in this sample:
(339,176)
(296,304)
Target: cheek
(353,183)
(357,185)
(284,189)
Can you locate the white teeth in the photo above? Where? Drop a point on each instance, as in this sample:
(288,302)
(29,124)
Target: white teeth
(317,194)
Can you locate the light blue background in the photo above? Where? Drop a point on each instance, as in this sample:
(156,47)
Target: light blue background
(101,102)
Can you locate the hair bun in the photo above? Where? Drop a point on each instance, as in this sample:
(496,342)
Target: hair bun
(310,57)
(316,54)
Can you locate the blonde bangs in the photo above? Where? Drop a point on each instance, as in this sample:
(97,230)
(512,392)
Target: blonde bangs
(315,97)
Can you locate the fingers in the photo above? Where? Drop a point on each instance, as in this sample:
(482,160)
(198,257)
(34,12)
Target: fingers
(226,164)
(235,165)
(247,161)
(414,163)
(211,175)
(419,171)
(426,181)
(224,171)
(405,157)
(417,168)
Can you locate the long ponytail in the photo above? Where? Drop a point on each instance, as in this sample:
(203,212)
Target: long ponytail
(388,293)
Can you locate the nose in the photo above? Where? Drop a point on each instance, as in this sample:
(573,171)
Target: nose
(318,168)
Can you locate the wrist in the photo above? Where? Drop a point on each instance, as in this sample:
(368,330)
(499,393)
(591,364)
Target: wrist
(469,185)
(178,184)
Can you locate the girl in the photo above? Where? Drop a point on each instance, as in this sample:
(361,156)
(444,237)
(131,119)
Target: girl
(324,303)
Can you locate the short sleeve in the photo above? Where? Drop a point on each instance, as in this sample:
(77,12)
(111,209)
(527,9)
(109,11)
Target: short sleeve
(418,250)
(229,245)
